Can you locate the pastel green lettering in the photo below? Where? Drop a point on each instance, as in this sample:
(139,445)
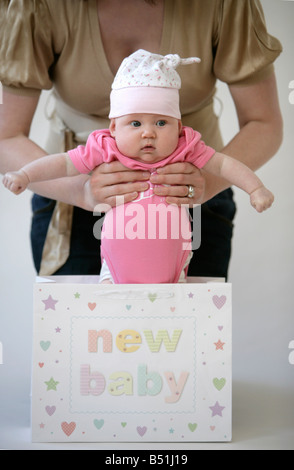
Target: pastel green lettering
(148,383)
(162,336)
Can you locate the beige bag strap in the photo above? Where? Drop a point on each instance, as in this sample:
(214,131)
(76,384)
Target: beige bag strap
(57,244)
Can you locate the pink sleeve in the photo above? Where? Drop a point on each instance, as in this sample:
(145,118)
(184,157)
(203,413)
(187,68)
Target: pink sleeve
(86,157)
(203,153)
(198,152)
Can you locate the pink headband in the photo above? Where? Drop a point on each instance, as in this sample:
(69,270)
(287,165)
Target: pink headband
(150,100)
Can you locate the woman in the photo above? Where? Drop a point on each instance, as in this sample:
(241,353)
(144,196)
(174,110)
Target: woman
(76,46)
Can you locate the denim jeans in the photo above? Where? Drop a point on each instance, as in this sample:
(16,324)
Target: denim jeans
(211,259)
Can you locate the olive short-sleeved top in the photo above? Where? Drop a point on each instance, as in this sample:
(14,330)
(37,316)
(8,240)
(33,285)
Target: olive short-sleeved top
(53,43)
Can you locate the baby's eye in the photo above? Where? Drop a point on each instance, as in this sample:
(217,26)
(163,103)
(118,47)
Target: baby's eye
(135,123)
(161,123)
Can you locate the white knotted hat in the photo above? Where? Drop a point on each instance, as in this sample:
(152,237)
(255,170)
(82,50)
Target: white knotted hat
(148,83)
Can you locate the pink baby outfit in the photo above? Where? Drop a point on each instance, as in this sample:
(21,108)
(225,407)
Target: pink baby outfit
(147,240)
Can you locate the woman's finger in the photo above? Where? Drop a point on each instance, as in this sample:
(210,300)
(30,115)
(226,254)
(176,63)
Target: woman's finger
(113,184)
(173,181)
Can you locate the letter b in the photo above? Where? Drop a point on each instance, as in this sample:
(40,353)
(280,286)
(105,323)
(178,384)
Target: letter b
(144,378)
(91,384)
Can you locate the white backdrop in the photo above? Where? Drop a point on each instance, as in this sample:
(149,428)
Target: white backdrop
(261,272)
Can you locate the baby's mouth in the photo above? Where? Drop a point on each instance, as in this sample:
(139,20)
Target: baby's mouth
(148,148)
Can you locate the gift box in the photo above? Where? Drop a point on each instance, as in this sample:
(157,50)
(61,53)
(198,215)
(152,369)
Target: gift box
(129,363)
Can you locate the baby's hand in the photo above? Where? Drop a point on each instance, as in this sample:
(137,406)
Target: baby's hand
(16,181)
(261,199)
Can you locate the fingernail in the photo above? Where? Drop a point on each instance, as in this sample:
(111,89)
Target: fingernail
(159,190)
(154,178)
(134,196)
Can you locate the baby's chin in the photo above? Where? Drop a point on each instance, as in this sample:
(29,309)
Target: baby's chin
(150,155)
(148,158)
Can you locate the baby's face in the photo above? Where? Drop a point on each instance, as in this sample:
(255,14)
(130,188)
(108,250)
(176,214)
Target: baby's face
(148,138)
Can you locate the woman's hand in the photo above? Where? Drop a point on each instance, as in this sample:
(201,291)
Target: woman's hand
(176,179)
(112,184)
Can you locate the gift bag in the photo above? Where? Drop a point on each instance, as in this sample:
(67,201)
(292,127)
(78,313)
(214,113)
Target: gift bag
(126,363)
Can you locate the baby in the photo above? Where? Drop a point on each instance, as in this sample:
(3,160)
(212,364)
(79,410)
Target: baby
(145,132)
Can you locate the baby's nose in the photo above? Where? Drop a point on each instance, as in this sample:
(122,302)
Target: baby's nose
(148,131)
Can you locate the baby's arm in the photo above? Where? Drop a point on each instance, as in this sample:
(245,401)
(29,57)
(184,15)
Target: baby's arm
(241,176)
(45,168)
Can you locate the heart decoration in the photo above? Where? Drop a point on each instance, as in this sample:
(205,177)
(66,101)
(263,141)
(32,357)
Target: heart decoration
(219,383)
(98,423)
(192,426)
(141,430)
(68,428)
(50,410)
(219,302)
(45,345)
(91,305)
(152,297)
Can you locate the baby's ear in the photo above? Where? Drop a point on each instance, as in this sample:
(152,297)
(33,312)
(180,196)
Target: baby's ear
(180,126)
(112,127)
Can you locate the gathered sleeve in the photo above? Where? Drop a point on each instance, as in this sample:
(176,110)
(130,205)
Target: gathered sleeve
(26,50)
(244,51)
(99,148)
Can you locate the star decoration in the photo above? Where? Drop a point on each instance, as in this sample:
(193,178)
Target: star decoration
(217,409)
(219,345)
(51,384)
(77,295)
(191,295)
(50,303)
(58,330)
